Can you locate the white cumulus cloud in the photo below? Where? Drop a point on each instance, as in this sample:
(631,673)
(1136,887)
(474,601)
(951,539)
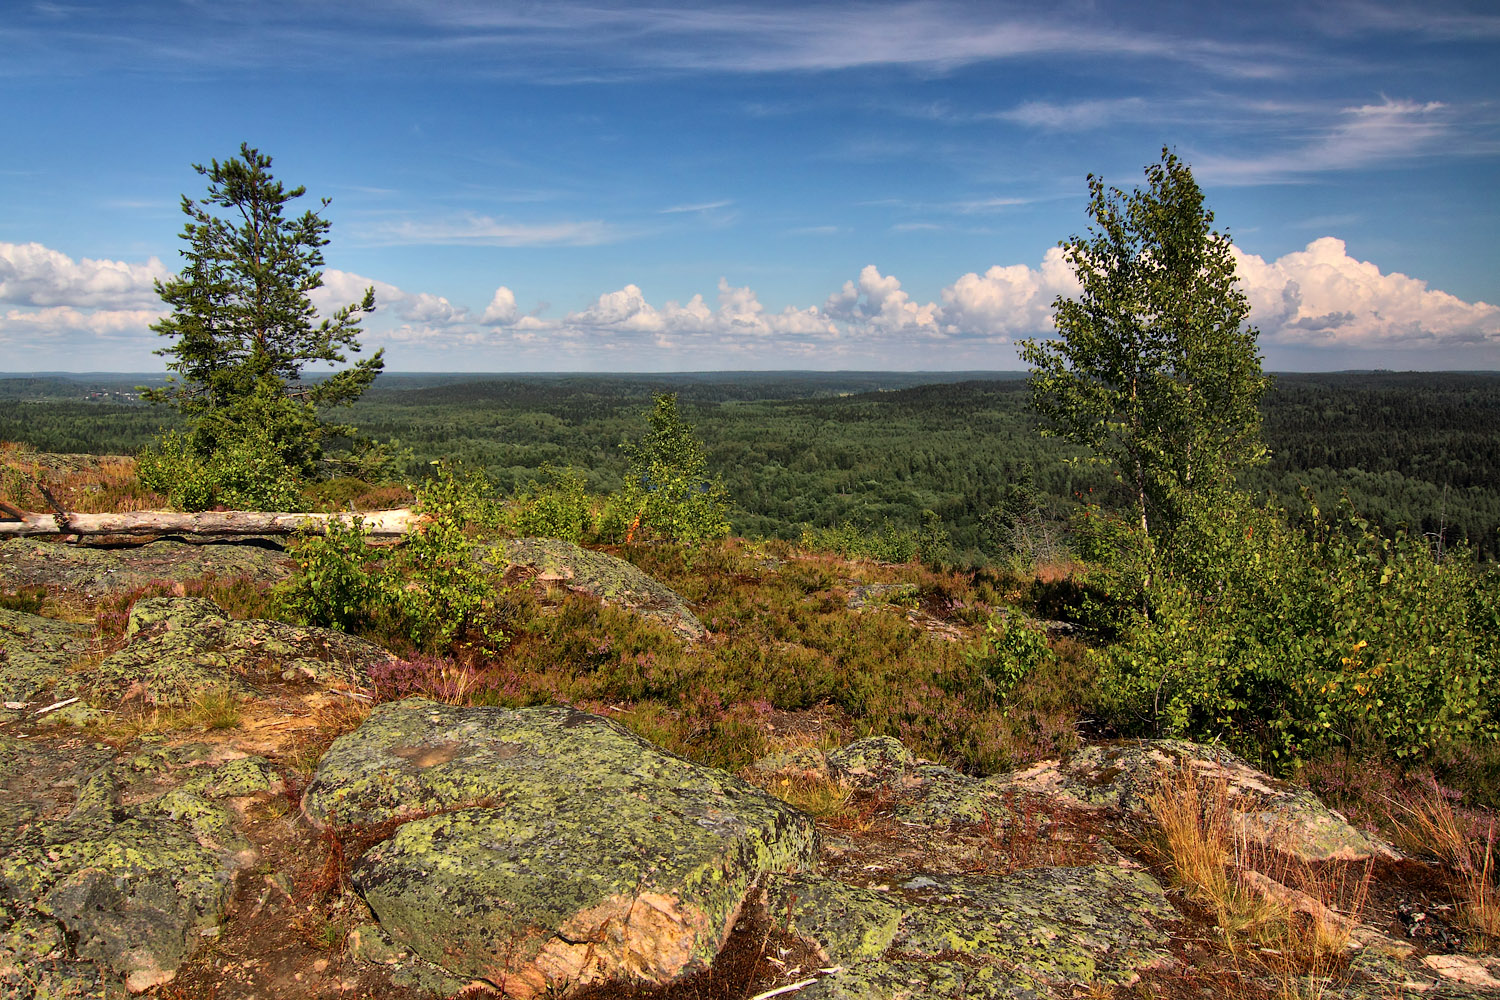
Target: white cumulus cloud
(877,304)
(66,320)
(502,308)
(740,314)
(34,275)
(1322,297)
(1316,303)
(419,309)
(1010,301)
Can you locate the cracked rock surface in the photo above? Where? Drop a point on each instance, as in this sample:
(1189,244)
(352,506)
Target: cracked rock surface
(542,848)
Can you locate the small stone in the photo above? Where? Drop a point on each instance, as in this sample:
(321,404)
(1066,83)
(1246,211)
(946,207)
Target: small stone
(370,943)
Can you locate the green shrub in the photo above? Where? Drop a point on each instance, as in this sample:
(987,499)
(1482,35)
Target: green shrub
(1009,651)
(886,543)
(557,506)
(668,492)
(246,473)
(1290,641)
(432,590)
(336,581)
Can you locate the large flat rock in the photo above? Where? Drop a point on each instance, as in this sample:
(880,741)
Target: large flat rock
(94,571)
(544,848)
(35,654)
(178,647)
(113,872)
(1041,932)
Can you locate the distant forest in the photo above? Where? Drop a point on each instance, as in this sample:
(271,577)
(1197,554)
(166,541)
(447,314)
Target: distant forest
(1414,450)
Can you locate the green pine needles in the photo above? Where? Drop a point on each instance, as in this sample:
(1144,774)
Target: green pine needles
(242,328)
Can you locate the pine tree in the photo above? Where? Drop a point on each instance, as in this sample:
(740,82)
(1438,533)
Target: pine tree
(243,326)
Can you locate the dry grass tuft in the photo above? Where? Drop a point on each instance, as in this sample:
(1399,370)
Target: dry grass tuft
(820,796)
(1429,823)
(1274,915)
(212,709)
(1193,824)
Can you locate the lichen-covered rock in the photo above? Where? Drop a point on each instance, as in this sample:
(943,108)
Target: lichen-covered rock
(611,579)
(236,778)
(1036,933)
(942,795)
(546,847)
(845,923)
(1121,777)
(178,647)
(127,880)
(35,964)
(878,594)
(1095,924)
(800,760)
(35,654)
(872,762)
(906,980)
(95,571)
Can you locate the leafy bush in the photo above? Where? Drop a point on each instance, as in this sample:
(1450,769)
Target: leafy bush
(887,543)
(668,487)
(431,590)
(557,506)
(245,473)
(1009,651)
(1289,641)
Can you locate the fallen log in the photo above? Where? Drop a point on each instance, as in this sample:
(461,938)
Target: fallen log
(208,522)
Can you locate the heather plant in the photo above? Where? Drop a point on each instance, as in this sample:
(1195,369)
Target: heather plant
(783,639)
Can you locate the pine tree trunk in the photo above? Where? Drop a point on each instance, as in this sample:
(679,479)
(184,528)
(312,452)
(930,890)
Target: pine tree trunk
(208,522)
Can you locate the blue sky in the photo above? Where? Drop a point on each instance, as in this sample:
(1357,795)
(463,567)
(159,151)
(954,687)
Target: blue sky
(614,186)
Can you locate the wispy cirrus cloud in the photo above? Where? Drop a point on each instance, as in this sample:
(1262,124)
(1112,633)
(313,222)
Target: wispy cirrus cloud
(482,230)
(1361,136)
(706,206)
(1072,116)
(579,40)
(1442,21)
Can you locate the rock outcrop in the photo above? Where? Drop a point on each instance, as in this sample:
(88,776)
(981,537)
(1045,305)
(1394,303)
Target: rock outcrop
(91,572)
(178,647)
(1116,779)
(537,849)
(1033,933)
(35,654)
(1121,777)
(116,866)
(609,578)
